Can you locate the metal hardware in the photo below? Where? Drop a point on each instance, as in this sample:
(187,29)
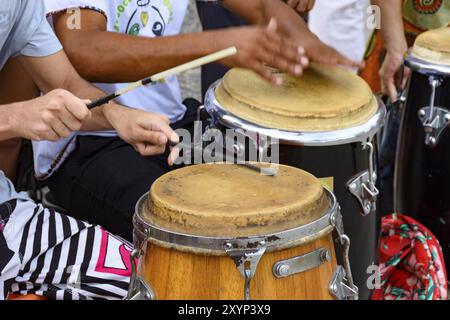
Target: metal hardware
(343,283)
(246,259)
(358,133)
(262,170)
(337,222)
(362,186)
(138,288)
(199,113)
(427,68)
(141,291)
(312,260)
(434,119)
(338,287)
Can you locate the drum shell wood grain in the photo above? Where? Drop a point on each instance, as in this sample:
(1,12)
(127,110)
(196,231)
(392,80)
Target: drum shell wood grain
(176,275)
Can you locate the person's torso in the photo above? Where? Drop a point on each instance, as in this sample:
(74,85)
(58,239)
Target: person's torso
(146,18)
(149,18)
(427,14)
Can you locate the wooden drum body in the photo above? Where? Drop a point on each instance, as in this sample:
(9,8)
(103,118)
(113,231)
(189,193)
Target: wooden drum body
(283,250)
(324,122)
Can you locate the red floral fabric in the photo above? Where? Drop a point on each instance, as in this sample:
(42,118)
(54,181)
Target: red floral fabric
(411,262)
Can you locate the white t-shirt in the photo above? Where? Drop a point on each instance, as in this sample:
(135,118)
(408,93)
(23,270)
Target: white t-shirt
(146,18)
(342,24)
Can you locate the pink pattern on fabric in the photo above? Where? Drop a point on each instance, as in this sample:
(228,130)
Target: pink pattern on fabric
(120,255)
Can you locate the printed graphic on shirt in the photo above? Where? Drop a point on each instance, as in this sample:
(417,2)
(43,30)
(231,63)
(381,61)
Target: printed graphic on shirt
(143,17)
(108,262)
(427,6)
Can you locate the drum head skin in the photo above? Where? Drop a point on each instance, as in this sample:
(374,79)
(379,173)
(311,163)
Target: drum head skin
(322,99)
(226,200)
(433,46)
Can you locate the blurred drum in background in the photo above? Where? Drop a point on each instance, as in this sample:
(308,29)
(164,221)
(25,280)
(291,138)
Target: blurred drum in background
(325,122)
(422,173)
(224,231)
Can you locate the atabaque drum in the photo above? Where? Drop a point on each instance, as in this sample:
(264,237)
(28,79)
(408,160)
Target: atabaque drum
(324,122)
(422,174)
(224,231)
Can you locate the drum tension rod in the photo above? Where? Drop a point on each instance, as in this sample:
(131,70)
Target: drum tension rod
(434,118)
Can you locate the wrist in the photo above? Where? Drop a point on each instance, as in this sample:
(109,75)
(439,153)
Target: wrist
(112,113)
(9,124)
(396,54)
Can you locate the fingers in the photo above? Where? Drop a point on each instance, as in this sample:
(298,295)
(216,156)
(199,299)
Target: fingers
(258,67)
(281,54)
(311,4)
(154,134)
(151,137)
(302,6)
(161,125)
(149,150)
(389,88)
(173,156)
(293,3)
(321,53)
(60,129)
(284,56)
(406,75)
(75,106)
(55,123)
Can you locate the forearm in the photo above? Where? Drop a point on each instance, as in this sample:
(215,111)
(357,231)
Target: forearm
(9,153)
(392,29)
(84,90)
(261,11)
(249,10)
(124,58)
(7,131)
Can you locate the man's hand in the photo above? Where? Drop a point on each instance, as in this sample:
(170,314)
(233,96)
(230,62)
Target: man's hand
(50,117)
(319,52)
(390,75)
(262,45)
(149,133)
(291,26)
(301,6)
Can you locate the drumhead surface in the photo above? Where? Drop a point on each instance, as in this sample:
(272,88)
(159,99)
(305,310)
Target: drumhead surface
(433,46)
(324,98)
(226,200)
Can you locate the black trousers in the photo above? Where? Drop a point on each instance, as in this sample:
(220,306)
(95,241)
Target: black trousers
(104,177)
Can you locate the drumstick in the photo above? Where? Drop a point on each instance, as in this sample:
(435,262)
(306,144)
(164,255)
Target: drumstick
(264,170)
(219,55)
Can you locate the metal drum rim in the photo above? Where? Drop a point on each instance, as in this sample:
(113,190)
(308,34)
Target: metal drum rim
(273,241)
(427,67)
(359,133)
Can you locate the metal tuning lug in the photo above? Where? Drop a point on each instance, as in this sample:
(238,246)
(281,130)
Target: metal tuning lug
(138,289)
(434,119)
(342,285)
(141,291)
(363,185)
(312,260)
(339,288)
(246,256)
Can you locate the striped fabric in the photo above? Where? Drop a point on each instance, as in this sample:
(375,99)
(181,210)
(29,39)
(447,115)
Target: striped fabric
(46,253)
